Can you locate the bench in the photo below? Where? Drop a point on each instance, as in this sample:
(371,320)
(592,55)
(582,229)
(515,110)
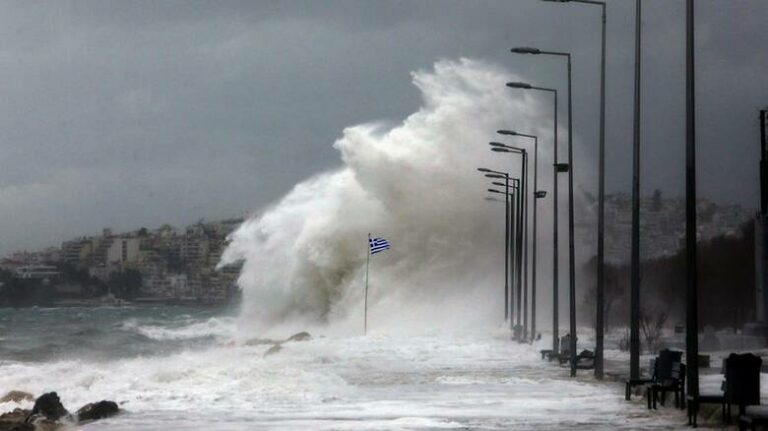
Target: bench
(695,402)
(753,417)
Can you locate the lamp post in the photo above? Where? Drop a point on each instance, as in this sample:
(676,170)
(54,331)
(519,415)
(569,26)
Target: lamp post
(600,291)
(571,238)
(522,257)
(506,241)
(536,194)
(692,313)
(634,301)
(558,168)
(513,221)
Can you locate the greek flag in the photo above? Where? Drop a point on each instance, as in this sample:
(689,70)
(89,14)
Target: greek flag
(378,244)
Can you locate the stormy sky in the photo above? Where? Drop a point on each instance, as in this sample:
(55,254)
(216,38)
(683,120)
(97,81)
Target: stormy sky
(133,113)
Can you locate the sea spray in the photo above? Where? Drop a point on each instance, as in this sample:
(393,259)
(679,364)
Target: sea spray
(416,184)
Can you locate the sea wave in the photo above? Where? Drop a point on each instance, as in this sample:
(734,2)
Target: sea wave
(185,329)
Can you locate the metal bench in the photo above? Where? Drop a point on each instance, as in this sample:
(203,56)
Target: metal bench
(753,417)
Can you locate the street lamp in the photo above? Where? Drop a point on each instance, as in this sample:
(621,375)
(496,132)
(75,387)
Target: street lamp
(692,313)
(504,175)
(522,256)
(536,194)
(558,168)
(513,222)
(600,306)
(571,239)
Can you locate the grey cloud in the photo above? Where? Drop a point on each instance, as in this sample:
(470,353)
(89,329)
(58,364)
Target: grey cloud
(130,113)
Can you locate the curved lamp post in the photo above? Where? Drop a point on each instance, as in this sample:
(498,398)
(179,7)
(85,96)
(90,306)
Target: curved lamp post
(600,291)
(522,235)
(558,168)
(571,239)
(506,238)
(536,194)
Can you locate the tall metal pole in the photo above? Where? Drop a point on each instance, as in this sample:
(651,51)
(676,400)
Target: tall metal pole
(692,321)
(506,250)
(555,245)
(513,255)
(600,306)
(367,263)
(535,205)
(571,239)
(527,198)
(555,171)
(519,245)
(525,246)
(634,318)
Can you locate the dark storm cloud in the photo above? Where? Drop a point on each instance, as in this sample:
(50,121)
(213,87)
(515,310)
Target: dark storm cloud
(135,113)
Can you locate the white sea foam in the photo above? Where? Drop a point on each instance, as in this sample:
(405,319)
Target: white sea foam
(375,382)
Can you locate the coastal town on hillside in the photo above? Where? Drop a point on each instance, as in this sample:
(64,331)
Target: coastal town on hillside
(163,265)
(662,224)
(170,266)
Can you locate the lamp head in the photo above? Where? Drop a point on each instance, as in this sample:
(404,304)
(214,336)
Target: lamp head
(525,50)
(522,85)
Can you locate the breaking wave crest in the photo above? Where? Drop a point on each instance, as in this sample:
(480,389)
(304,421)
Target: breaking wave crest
(415,184)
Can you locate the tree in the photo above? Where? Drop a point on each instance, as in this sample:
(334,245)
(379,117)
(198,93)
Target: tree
(651,325)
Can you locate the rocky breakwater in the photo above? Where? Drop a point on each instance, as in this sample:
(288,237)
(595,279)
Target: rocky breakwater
(49,413)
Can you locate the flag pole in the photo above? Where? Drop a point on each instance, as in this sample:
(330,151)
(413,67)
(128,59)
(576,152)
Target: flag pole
(367,262)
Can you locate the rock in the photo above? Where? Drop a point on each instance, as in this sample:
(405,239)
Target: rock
(14,421)
(100,410)
(272,350)
(48,406)
(17,397)
(301,336)
(258,342)
(40,423)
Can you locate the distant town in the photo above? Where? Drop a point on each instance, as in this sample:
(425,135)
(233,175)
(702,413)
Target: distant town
(178,266)
(662,225)
(159,266)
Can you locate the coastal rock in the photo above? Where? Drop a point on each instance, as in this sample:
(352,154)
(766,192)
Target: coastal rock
(272,350)
(17,397)
(48,406)
(99,410)
(258,342)
(14,421)
(301,336)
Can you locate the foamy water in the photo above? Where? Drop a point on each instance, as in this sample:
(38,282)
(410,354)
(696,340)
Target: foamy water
(471,380)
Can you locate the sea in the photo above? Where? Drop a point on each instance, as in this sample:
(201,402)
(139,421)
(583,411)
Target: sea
(175,368)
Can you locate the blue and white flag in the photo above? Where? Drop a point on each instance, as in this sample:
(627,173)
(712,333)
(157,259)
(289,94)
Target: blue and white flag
(378,244)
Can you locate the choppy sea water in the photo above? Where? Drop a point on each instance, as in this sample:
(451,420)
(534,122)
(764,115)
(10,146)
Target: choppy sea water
(182,368)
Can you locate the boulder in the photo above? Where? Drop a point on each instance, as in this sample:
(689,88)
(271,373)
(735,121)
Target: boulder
(272,350)
(17,397)
(99,410)
(301,336)
(14,421)
(48,406)
(258,342)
